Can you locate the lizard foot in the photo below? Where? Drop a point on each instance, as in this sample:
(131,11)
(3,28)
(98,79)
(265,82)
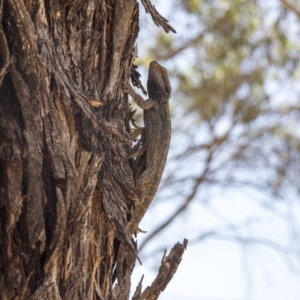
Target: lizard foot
(139,230)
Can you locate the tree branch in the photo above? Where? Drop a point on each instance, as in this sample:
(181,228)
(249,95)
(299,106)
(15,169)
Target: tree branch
(157,18)
(168,267)
(291,7)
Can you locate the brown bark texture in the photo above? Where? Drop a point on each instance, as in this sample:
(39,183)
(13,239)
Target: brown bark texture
(66,185)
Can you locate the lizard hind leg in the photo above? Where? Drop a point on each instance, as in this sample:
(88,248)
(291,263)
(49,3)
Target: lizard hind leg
(140,186)
(151,168)
(144,179)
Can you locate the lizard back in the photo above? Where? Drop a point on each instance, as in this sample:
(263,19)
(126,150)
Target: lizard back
(157,138)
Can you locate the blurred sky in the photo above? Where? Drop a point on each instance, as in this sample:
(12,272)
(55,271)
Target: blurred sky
(218,269)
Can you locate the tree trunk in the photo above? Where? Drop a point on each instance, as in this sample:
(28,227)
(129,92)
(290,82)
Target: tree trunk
(66,186)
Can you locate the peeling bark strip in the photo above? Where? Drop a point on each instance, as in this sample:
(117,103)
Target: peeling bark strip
(67,190)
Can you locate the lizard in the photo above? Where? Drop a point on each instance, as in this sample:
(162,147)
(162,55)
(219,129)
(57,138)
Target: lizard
(151,154)
(149,166)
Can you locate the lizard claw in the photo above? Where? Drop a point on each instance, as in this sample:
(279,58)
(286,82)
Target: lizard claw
(140,230)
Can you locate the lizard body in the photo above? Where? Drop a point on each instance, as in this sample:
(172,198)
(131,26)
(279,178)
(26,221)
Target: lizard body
(150,165)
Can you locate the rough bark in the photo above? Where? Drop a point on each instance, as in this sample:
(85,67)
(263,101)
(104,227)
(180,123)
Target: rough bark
(66,186)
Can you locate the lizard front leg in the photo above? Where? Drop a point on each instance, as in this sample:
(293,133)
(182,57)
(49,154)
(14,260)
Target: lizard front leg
(144,104)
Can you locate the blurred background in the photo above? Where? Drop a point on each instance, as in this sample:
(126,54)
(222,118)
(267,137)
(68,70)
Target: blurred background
(231,184)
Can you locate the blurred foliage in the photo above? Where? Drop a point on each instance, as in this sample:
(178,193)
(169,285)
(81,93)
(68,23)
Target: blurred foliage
(234,68)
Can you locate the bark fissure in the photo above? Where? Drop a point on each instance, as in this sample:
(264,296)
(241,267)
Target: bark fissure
(67,189)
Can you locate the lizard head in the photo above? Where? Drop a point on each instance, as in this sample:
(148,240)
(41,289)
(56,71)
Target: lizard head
(158,84)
